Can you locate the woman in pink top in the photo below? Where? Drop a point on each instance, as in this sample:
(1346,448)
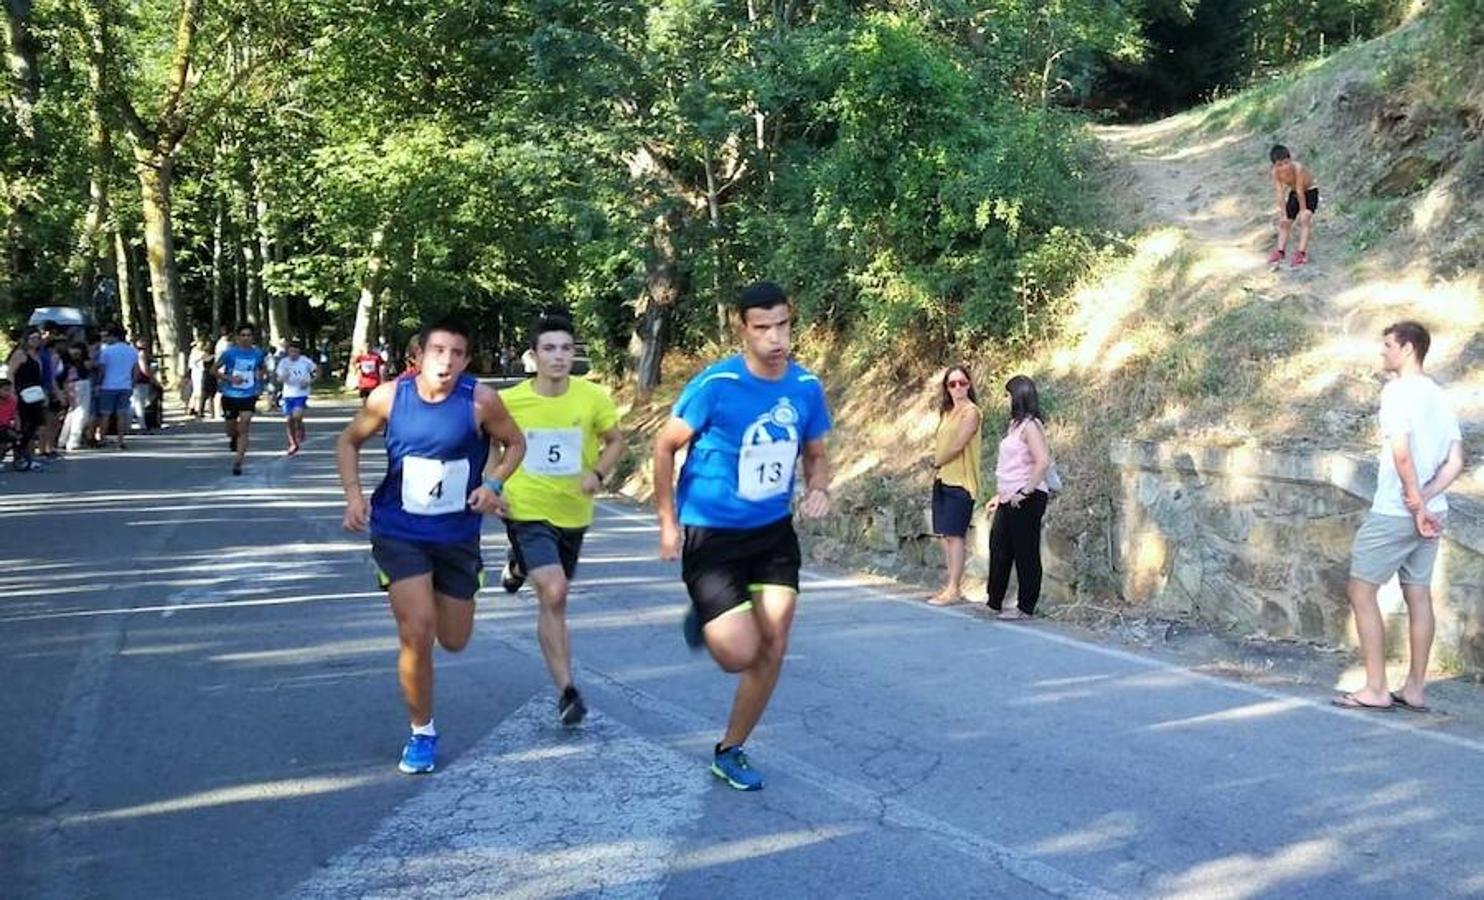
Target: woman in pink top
(1019,504)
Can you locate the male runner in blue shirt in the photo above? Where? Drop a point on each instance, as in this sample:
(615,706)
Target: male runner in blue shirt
(747,420)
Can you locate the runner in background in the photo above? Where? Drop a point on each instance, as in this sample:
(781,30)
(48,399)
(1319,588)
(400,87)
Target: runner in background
(370,369)
(295,375)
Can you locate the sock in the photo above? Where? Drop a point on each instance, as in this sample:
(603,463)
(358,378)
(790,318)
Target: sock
(427,730)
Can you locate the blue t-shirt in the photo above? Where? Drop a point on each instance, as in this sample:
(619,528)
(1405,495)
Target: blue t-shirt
(749,434)
(242,372)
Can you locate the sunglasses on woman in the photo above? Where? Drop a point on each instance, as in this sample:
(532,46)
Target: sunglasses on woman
(958,382)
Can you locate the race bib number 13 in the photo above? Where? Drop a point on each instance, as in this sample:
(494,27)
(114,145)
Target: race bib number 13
(432,487)
(245,375)
(766,470)
(553,451)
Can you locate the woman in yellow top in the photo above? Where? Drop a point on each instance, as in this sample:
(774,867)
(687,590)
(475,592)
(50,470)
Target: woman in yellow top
(955,490)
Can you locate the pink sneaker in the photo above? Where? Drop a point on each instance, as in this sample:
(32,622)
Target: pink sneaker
(1275,257)
(1299,259)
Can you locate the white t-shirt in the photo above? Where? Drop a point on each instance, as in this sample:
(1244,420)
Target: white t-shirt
(1414,405)
(295,375)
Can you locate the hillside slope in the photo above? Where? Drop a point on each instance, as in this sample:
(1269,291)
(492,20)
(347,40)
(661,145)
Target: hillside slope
(1186,334)
(1289,357)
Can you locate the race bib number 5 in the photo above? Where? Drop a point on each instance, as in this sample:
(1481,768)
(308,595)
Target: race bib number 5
(766,470)
(553,451)
(432,487)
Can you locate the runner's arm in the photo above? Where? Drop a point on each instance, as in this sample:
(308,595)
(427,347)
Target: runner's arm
(613,450)
(677,433)
(368,421)
(500,427)
(961,438)
(1281,198)
(817,477)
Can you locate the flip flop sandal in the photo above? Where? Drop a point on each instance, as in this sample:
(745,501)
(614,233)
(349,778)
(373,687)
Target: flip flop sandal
(1398,700)
(1349,701)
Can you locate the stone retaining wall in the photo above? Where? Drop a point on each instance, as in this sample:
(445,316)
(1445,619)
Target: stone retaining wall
(1259,541)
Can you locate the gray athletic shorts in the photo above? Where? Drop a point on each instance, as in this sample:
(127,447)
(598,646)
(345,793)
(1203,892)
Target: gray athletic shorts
(1390,545)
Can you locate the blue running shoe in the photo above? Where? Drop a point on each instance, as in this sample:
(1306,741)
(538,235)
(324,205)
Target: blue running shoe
(418,755)
(732,767)
(691,628)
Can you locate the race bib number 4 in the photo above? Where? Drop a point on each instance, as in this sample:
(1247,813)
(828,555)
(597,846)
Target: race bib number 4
(766,470)
(432,487)
(553,451)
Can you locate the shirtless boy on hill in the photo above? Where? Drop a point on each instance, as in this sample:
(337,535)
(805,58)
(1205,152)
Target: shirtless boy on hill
(1298,198)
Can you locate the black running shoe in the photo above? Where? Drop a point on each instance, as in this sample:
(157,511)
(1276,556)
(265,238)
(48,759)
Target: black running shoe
(511,578)
(570,708)
(237,469)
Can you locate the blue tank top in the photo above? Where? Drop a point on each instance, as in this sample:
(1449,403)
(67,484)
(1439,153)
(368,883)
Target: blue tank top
(435,458)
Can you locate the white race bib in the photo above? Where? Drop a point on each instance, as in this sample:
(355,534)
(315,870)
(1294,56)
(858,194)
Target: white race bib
(245,375)
(553,451)
(766,470)
(433,487)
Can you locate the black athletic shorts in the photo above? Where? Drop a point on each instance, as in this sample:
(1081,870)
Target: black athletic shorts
(953,508)
(233,406)
(537,544)
(457,569)
(723,566)
(1311,195)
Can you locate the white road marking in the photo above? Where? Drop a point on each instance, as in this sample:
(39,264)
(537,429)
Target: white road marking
(533,810)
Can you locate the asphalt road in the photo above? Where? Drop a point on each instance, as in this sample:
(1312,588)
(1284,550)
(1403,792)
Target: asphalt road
(201,701)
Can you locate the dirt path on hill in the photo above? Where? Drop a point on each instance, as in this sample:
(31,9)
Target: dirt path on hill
(1217,191)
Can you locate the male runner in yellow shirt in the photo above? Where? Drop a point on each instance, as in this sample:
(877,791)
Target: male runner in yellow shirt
(574,444)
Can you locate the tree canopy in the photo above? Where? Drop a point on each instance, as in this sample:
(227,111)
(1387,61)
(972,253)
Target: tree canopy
(342,169)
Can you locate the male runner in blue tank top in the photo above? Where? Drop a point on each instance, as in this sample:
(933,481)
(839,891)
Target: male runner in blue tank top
(426,515)
(747,420)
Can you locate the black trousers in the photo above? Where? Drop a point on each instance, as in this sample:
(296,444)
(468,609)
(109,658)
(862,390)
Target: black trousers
(1015,539)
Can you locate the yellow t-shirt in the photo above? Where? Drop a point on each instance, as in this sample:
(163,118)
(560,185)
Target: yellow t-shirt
(561,443)
(963,469)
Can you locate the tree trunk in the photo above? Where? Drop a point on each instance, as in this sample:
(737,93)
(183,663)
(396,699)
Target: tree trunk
(247,260)
(23,89)
(125,268)
(664,285)
(277,306)
(88,251)
(719,263)
(25,77)
(219,311)
(156,173)
(363,332)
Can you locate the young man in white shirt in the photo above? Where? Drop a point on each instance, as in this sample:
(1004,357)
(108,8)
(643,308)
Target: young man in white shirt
(1421,455)
(295,374)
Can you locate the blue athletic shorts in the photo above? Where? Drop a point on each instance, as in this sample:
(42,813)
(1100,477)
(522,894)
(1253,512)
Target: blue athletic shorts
(290,404)
(457,569)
